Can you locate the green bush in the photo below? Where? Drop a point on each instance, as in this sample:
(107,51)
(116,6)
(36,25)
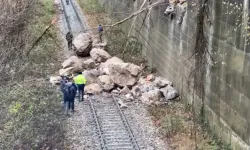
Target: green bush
(91,6)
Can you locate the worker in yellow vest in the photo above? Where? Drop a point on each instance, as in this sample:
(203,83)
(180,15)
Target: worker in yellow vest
(80,82)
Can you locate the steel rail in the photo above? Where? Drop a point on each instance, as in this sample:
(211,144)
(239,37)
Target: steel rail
(125,121)
(77,16)
(105,126)
(66,17)
(93,110)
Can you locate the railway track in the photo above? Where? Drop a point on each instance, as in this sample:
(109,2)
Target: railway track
(111,124)
(73,20)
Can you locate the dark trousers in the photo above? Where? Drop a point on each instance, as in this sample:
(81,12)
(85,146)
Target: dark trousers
(69,103)
(80,88)
(100,36)
(70,45)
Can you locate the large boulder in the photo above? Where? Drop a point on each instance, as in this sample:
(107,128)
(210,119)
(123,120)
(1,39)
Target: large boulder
(66,71)
(169,92)
(106,82)
(91,75)
(104,66)
(99,55)
(89,63)
(93,88)
(82,44)
(151,97)
(74,62)
(123,74)
(161,82)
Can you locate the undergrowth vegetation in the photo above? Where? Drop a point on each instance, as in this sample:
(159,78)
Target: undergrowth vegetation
(175,123)
(30,109)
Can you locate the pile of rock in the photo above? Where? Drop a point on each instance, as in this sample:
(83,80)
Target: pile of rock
(84,42)
(111,74)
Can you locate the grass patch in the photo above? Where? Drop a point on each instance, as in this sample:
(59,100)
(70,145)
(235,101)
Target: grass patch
(176,125)
(91,6)
(94,12)
(31,116)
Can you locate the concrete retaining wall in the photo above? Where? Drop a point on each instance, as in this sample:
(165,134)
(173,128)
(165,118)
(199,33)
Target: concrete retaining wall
(168,46)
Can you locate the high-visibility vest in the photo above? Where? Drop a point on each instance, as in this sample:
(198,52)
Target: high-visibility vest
(80,79)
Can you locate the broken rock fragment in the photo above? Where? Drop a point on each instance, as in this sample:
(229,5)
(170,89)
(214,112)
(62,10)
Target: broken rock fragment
(89,63)
(151,97)
(106,82)
(99,55)
(93,88)
(55,80)
(66,71)
(136,91)
(150,77)
(169,92)
(125,91)
(147,87)
(161,82)
(74,62)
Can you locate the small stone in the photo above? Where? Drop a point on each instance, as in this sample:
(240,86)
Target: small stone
(129,97)
(150,77)
(85,97)
(169,92)
(142,81)
(115,91)
(122,104)
(136,91)
(125,91)
(161,82)
(55,80)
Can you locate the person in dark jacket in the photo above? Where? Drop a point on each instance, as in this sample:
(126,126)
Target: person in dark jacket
(69,92)
(100,30)
(69,38)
